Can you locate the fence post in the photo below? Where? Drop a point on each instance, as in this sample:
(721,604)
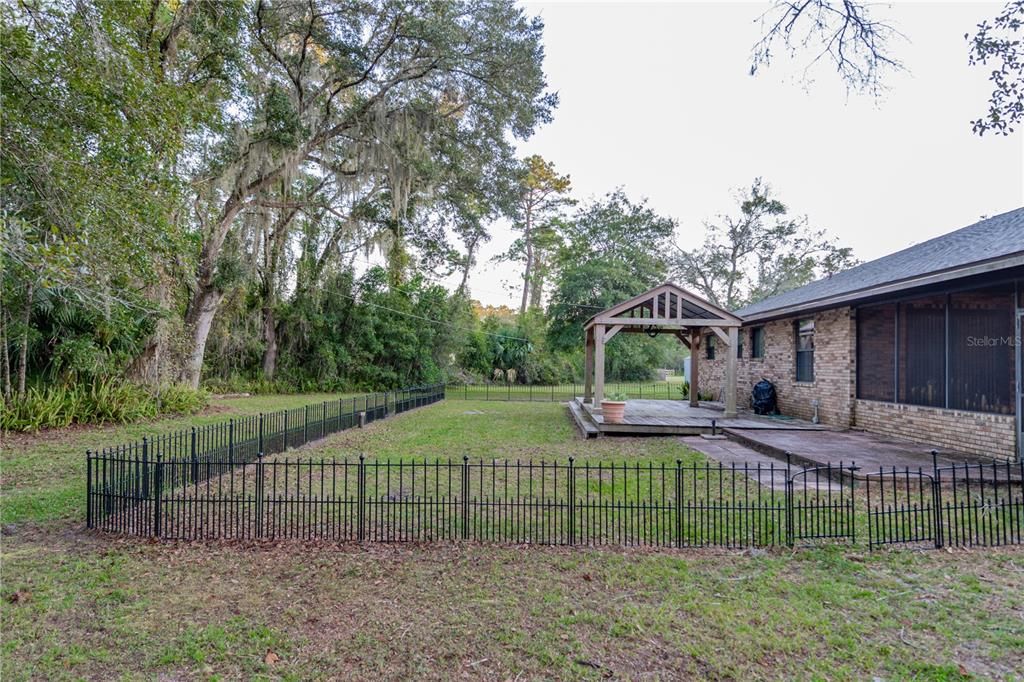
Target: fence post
(465,497)
(194,456)
(259,493)
(323,420)
(305,425)
(284,445)
(259,437)
(937,500)
(679,503)
(789,500)
(88,488)
(145,467)
(231,442)
(570,485)
(361,498)
(157,487)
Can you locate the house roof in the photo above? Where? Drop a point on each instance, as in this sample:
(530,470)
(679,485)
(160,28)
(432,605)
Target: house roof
(990,244)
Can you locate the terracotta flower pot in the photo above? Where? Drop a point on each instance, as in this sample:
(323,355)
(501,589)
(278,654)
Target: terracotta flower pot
(613,411)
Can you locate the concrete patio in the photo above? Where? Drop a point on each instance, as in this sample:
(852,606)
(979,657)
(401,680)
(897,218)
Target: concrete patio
(868,451)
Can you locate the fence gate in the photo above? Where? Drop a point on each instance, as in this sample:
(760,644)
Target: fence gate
(981,504)
(902,508)
(820,504)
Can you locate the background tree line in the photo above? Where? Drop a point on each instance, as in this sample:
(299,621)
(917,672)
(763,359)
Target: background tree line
(193,194)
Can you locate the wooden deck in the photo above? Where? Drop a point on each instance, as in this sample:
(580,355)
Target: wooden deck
(675,418)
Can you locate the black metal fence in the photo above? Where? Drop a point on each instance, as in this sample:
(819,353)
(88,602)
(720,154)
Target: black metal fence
(965,505)
(652,390)
(136,476)
(520,502)
(228,481)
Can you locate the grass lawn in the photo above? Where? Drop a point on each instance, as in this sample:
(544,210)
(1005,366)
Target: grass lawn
(43,474)
(78,605)
(670,389)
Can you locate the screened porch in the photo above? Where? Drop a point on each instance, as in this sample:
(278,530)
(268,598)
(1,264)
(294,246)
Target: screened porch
(956,349)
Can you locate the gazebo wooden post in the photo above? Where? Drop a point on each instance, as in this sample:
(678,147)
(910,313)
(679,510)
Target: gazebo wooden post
(598,365)
(730,374)
(588,368)
(694,362)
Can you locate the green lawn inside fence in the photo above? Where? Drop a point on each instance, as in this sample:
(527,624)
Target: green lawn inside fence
(44,473)
(670,389)
(80,605)
(662,498)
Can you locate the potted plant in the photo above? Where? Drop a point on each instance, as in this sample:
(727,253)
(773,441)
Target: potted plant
(613,408)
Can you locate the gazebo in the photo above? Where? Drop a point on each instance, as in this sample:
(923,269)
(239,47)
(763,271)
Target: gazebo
(667,308)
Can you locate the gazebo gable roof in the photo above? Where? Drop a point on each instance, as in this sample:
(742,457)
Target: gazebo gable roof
(666,305)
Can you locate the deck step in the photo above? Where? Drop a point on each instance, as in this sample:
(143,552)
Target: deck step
(583,421)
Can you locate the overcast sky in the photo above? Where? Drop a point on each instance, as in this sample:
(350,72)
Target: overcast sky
(657,98)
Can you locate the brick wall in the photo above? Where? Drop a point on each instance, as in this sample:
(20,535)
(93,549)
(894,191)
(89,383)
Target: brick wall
(974,433)
(834,359)
(834,386)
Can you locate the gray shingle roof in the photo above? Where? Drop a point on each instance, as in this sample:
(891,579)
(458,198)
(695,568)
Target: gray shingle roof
(992,238)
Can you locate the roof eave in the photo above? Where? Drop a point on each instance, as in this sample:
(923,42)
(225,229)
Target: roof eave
(938,277)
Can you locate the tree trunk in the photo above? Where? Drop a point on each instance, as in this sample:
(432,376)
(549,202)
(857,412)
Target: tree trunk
(198,321)
(5,359)
(527,274)
(147,368)
(23,361)
(467,265)
(537,285)
(270,338)
(206,299)
(528,271)
(526,285)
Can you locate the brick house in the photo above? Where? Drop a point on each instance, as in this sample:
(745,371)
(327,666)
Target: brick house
(923,344)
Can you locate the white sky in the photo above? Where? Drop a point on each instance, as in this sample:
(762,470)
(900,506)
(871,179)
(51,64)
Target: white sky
(657,98)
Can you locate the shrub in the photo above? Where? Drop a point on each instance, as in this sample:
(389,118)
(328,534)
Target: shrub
(101,401)
(182,399)
(239,384)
